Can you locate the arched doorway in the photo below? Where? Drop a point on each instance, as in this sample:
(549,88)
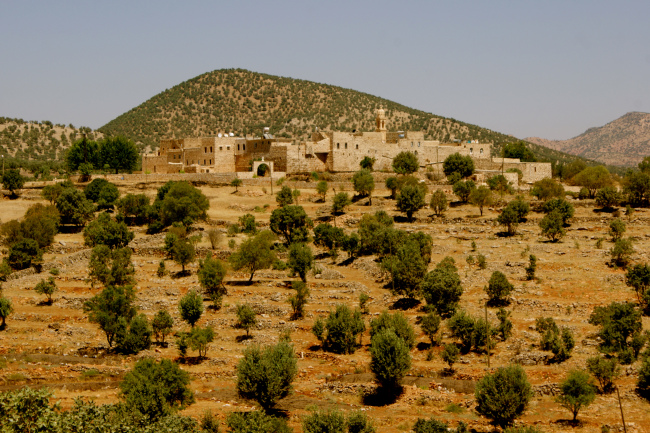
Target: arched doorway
(263,170)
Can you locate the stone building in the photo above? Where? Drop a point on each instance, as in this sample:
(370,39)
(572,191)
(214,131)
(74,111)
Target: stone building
(326,151)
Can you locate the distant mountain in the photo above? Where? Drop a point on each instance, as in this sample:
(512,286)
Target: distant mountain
(623,142)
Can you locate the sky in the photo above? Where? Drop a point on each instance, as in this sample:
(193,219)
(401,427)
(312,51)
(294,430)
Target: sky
(549,69)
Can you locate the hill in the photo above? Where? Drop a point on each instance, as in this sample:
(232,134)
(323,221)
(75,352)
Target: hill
(623,142)
(38,141)
(244,102)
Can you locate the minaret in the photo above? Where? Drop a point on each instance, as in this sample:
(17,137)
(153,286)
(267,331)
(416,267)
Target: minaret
(380,121)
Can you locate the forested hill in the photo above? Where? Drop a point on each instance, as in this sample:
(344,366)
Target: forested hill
(243,102)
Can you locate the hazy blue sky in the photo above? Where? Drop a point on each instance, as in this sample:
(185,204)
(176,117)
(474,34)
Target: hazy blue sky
(545,68)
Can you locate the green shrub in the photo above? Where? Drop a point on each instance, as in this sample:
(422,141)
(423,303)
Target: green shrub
(389,358)
(430,325)
(498,289)
(605,371)
(576,392)
(245,318)
(442,288)
(398,323)
(162,325)
(256,422)
(503,395)
(191,307)
(338,334)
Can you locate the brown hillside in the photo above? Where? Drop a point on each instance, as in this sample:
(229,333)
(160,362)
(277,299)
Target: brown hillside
(623,142)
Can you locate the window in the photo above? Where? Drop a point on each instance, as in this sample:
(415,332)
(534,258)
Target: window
(346,145)
(471,151)
(411,144)
(244,146)
(187,162)
(481,152)
(255,145)
(220,148)
(238,147)
(416,152)
(357,146)
(418,144)
(210,162)
(228,147)
(204,162)
(338,145)
(210,149)
(205,150)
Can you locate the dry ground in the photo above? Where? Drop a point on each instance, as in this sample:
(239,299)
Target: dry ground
(55,346)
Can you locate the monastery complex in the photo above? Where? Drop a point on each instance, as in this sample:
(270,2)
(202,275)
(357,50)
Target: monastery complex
(326,151)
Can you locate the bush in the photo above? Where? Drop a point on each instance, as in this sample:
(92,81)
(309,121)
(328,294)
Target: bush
(340,202)
(438,202)
(410,200)
(503,395)
(398,323)
(24,254)
(183,253)
(339,332)
(247,223)
(299,300)
(284,197)
(47,288)
(643,382)
(265,375)
(301,260)
(162,325)
(434,426)
(638,277)
(450,354)
(552,226)
(389,358)
(111,309)
(74,207)
(462,327)
(321,189)
(509,218)
(393,185)
(12,180)
(105,231)
(6,308)
(405,163)
(179,202)
(621,252)
(442,288)
(199,338)
(608,197)
(211,275)
(430,325)
(576,392)
(111,267)
(619,322)
(407,269)
(593,178)
(364,183)
(456,163)
(256,422)
(331,421)
(498,288)
(605,371)
(519,150)
(245,318)
(135,337)
(191,307)
(154,389)
(505,325)
(328,236)
(546,189)
(559,341)
(561,206)
(463,189)
(134,206)
(616,229)
(532,267)
(480,197)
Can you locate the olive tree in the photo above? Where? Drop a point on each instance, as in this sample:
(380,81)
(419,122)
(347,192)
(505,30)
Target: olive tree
(576,392)
(389,359)
(191,307)
(364,184)
(438,202)
(410,200)
(301,260)
(503,395)
(405,163)
(254,254)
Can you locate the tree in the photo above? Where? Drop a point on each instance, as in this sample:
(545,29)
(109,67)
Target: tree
(442,288)
(410,200)
(191,307)
(155,389)
(133,207)
(389,359)
(532,267)
(637,187)
(236,182)
(211,275)
(118,153)
(199,338)
(292,223)
(52,192)
(111,267)
(47,288)
(108,307)
(438,202)
(364,184)
(338,333)
(183,253)
(284,197)
(321,189)
(405,163)
(328,236)
(41,223)
(298,300)
(546,189)
(371,230)
(5,310)
(393,185)
(407,269)
(608,197)
(519,150)
(245,318)
(450,354)
(74,207)
(560,205)
(552,226)
(621,252)
(93,190)
(180,202)
(301,260)
(398,323)
(480,197)
(498,288)
(605,371)
(463,189)
(638,277)
(619,322)
(254,254)
(503,395)
(12,180)
(500,184)
(593,178)
(462,327)
(616,229)
(106,231)
(162,325)
(340,201)
(133,336)
(430,325)
(643,382)
(510,218)
(367,163)
(24,254)
(265,375)
(505,325)
(576,392)
(456,163)
(81,152)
